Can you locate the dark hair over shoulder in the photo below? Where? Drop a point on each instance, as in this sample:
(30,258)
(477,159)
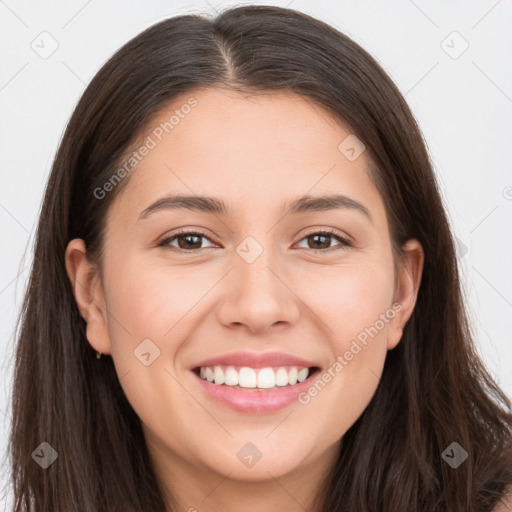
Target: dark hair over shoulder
(434,389)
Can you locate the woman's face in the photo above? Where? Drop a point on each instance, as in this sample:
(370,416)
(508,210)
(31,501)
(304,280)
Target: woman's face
(247,282)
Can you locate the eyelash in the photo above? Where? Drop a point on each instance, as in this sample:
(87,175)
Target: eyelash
(344,242)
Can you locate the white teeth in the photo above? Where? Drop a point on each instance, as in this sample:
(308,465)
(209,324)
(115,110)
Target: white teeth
(266,378)
(218,375)
(231,376)
(208,373)
(247,377)
(281,377)
(262,378)
(302,375)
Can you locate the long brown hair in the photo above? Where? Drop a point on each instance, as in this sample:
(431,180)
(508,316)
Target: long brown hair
(434,389)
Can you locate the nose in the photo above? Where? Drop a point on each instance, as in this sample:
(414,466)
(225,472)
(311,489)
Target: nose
(259,295)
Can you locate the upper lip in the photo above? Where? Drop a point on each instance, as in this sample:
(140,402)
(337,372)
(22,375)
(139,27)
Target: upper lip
(255,360)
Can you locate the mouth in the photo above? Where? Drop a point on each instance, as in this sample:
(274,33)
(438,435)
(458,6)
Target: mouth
(246,378)
(254,382)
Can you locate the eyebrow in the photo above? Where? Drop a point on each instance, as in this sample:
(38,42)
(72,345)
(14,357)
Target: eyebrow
(215,206)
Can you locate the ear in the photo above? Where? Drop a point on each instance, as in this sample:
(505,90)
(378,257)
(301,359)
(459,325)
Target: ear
(88,291)
(410,269)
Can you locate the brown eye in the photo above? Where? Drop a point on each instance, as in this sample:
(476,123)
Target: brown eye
(321,241)
(187,241)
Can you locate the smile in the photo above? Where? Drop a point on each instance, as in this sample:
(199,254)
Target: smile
(247,396)
(254,378)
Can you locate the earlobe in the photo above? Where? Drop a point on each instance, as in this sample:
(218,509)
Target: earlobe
(86,284)
(408,282)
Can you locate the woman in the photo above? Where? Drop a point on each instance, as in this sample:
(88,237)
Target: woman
(245,294)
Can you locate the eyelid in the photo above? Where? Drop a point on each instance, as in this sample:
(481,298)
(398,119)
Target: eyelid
(185,231)
(329,231)
(345,241)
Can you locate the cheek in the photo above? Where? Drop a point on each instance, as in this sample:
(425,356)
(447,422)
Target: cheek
(149,319)
(354,306)
(150,300)
(348,298)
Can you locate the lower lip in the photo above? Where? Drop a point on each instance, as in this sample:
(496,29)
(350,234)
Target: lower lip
(255,401)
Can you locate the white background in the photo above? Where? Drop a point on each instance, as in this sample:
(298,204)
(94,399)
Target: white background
(463,106)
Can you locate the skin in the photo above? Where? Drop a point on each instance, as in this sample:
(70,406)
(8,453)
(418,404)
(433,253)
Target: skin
(254,152)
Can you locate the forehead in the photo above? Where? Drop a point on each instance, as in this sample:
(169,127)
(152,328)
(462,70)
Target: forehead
(251,149)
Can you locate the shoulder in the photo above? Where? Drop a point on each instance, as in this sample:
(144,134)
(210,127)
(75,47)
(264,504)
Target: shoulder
(505,504)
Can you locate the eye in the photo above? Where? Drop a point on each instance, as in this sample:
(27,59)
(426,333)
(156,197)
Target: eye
(323,239)
(187,240)
(190,241)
